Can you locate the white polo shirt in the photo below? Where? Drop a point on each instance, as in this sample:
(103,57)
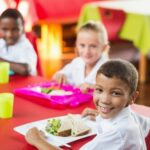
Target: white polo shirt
(120,133)
(21,52)
(75,71)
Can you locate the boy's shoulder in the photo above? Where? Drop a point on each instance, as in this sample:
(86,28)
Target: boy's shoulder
(128,128)
(129,133)
(24,43)
(2,41)
(143,122)
(23,39)
(2,45)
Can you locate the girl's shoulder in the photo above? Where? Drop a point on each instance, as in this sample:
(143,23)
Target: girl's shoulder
(77,60)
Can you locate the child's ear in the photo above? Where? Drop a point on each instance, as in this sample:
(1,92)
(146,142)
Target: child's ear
(106,48)
(134,97)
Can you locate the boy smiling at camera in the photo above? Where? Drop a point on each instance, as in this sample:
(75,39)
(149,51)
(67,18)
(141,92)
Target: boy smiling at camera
(118,127)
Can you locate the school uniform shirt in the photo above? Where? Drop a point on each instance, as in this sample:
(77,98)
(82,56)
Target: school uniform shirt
(143,122)
(75,71)
(21,52)
(119,133)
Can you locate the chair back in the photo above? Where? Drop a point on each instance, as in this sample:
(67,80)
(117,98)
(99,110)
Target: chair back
(32,38)
(113,21)
(148,141)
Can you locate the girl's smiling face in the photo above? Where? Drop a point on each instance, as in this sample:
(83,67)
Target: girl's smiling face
(89,47)
(111,96)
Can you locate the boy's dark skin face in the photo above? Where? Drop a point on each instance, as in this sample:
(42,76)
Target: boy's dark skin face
(11,30)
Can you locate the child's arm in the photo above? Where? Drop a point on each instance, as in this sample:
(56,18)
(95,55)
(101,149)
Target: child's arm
(90,113)
(85,87)
(36,138)
(18,68)
(59,78)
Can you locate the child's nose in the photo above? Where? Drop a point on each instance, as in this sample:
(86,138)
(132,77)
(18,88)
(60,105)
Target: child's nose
(105,99)
(87,49)
(8,34)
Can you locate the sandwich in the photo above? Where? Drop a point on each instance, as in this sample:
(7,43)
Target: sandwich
(72,126)
(65,128)
(79,128)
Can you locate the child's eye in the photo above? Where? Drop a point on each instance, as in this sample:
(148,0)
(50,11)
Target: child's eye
(82,45)
(98,90)
(115,93)
(15,30)
(4,29)
(93,46)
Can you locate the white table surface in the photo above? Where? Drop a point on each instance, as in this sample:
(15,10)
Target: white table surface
(130,6)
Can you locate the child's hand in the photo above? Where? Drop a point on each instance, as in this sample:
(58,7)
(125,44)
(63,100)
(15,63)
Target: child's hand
(37,139)
(90,113)
(84,87)
(34,136)
(59,78)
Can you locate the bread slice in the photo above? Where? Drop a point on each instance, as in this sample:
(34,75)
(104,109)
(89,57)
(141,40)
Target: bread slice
(65,128)
(60,93)
(79,128)
(72,126)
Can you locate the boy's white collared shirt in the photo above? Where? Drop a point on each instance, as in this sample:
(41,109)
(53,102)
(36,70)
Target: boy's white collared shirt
(119,133)
(21,52)
(75,71)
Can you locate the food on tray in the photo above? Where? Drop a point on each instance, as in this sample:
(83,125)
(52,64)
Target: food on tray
(69,126)
(46,90)
(36,89)
(60,92)
(51,91)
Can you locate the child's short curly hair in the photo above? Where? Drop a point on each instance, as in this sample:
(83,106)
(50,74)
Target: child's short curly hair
(122,70)
(12,13)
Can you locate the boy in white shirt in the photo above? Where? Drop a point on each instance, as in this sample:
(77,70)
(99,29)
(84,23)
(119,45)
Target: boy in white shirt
(118,127)
(92,47)
(15,48)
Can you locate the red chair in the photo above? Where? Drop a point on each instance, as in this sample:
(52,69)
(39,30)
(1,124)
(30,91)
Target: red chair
(148,141)
(32,38)
(113,21)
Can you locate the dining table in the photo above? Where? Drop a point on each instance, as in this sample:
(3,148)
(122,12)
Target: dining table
(25,111)
(135,28)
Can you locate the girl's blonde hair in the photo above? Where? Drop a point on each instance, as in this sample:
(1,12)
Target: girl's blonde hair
(96,27)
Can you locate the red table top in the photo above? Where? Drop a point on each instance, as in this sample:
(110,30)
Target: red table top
(27,111)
